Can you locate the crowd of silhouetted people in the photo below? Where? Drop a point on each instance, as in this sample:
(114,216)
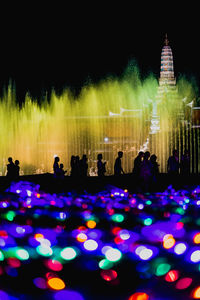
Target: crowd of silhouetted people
(145,168)
(79,167)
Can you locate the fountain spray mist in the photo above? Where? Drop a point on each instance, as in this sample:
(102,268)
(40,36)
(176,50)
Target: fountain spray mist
(117,114)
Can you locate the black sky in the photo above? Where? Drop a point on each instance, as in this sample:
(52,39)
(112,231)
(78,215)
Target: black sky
(41,48)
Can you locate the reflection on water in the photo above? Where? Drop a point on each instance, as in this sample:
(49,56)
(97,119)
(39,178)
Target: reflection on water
(115,115)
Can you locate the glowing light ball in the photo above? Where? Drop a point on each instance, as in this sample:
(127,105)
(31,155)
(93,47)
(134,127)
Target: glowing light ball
(195,256)
(172,276)
(118,240)
(180,248)
(22,254)
(148,221)
(91,224)
(10,215)
(113,254)
(1,256)
(145,254)
(183,283)
(68,253)
(81,237)
(105,264)
(44,250)
(139,296)
(124,234)
(108,275)
(54,265)
(196,293)
(117,218)
(162,269)
(148,202)
(40,283)
(90,245)
(140,206)
(139,249)
(196,238)
(168,241)
(56,283)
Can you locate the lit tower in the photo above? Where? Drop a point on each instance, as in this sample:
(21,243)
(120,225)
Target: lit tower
(167,81)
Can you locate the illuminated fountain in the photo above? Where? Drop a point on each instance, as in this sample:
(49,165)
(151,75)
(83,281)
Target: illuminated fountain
(127,114)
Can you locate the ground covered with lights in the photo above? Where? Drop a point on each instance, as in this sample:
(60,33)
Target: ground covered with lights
(111,245)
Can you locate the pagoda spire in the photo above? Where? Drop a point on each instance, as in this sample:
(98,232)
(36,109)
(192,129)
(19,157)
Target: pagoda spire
(166,40)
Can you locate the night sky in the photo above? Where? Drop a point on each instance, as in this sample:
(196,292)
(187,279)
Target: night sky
(41,48)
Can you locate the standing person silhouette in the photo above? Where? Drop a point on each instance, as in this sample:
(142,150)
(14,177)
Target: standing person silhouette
(62,171)
(137,164)
(10,169)
(146,172)
(118,170)
(17,168)
(155,171)
(136,170)
(83,166)
(101,166)
(56,168)
(173,166)
(185,163)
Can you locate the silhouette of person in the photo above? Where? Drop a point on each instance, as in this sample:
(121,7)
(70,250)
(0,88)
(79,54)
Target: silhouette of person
(17,168)
(185,163)
(10,169)
(101,166)
(56,168)
(137,163)
(83,166)
(173,164)
(146,172)
(62,171)
(155,170)
(118,170)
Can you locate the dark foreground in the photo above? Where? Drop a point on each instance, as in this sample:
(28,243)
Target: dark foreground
(99,239)
(94,184)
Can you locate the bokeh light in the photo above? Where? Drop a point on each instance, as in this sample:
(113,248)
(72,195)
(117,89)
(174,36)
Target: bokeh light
(196,238)
(68,253)
(196,293)
(180,248)
(113,254)
(56,283)
(109,275)
(183,283)
(168,241)
(139,296)
(172,276)
(90,245)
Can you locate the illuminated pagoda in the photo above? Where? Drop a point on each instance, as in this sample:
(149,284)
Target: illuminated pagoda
(167,81)
(164,135)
